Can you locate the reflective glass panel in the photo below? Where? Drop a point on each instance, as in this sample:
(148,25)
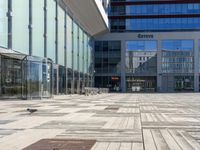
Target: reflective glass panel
(81,50)
(20,32)
(38,27)
(69,42)
(141,57)
(51,29)
(61,36)
(177,56)
(85,53)
(75,46)
(141,46)
(3,23)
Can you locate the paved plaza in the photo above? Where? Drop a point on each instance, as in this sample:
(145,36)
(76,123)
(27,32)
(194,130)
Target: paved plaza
(112,121)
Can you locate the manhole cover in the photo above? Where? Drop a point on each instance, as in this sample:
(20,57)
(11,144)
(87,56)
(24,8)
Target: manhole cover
(61,144)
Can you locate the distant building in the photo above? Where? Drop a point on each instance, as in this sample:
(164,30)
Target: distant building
(153,45)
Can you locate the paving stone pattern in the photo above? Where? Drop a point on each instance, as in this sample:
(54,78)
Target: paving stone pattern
(113,121)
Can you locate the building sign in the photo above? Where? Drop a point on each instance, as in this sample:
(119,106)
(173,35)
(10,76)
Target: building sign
(115,78)
(145,36)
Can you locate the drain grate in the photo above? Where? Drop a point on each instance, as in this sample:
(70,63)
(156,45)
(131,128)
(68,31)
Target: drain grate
(61,144)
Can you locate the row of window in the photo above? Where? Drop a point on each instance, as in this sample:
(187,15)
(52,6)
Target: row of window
(60,38)
(107,56)
(151,45)
(170,53)
(177,68)
(141,46)
(177,55)
(176,59)
(159,9)
(156,24)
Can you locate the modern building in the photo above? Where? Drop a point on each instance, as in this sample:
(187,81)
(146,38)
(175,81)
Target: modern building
(46,46)
(153,45)
(52,47)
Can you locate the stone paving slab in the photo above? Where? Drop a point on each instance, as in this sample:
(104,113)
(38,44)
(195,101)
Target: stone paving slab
(113,121)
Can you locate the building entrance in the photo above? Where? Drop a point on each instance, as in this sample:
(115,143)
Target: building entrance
(141,84)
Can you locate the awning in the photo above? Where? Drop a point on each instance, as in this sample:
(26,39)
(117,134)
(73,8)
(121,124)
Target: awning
(12,54)
(16,55)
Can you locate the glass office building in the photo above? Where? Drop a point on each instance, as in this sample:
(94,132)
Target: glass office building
(44,49)
(158,43)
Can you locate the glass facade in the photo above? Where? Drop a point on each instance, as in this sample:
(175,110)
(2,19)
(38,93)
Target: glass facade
(156,57)
(3,23)
(20,26)
(177,56)
(75,46)
(85,54)
(107,57)
(61,36)
(25,77)
(161,9)
(43,29)
(141,45)
(51,30)
(162,24)
(69,42)
(141,65)
(81,50)
(38,29)
(108,64)
(154,16)
(141,57)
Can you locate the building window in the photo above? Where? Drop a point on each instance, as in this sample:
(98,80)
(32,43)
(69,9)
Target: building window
(51,29)
(81,50)
(141,46)
(136,54)
(85,54)
(107,56)
(75,46)
(20,24)
(61,36)
(177,56)
(69,42)
(3,23)
(38,27)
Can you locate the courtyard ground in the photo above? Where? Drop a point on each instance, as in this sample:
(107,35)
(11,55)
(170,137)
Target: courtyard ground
(112,121)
